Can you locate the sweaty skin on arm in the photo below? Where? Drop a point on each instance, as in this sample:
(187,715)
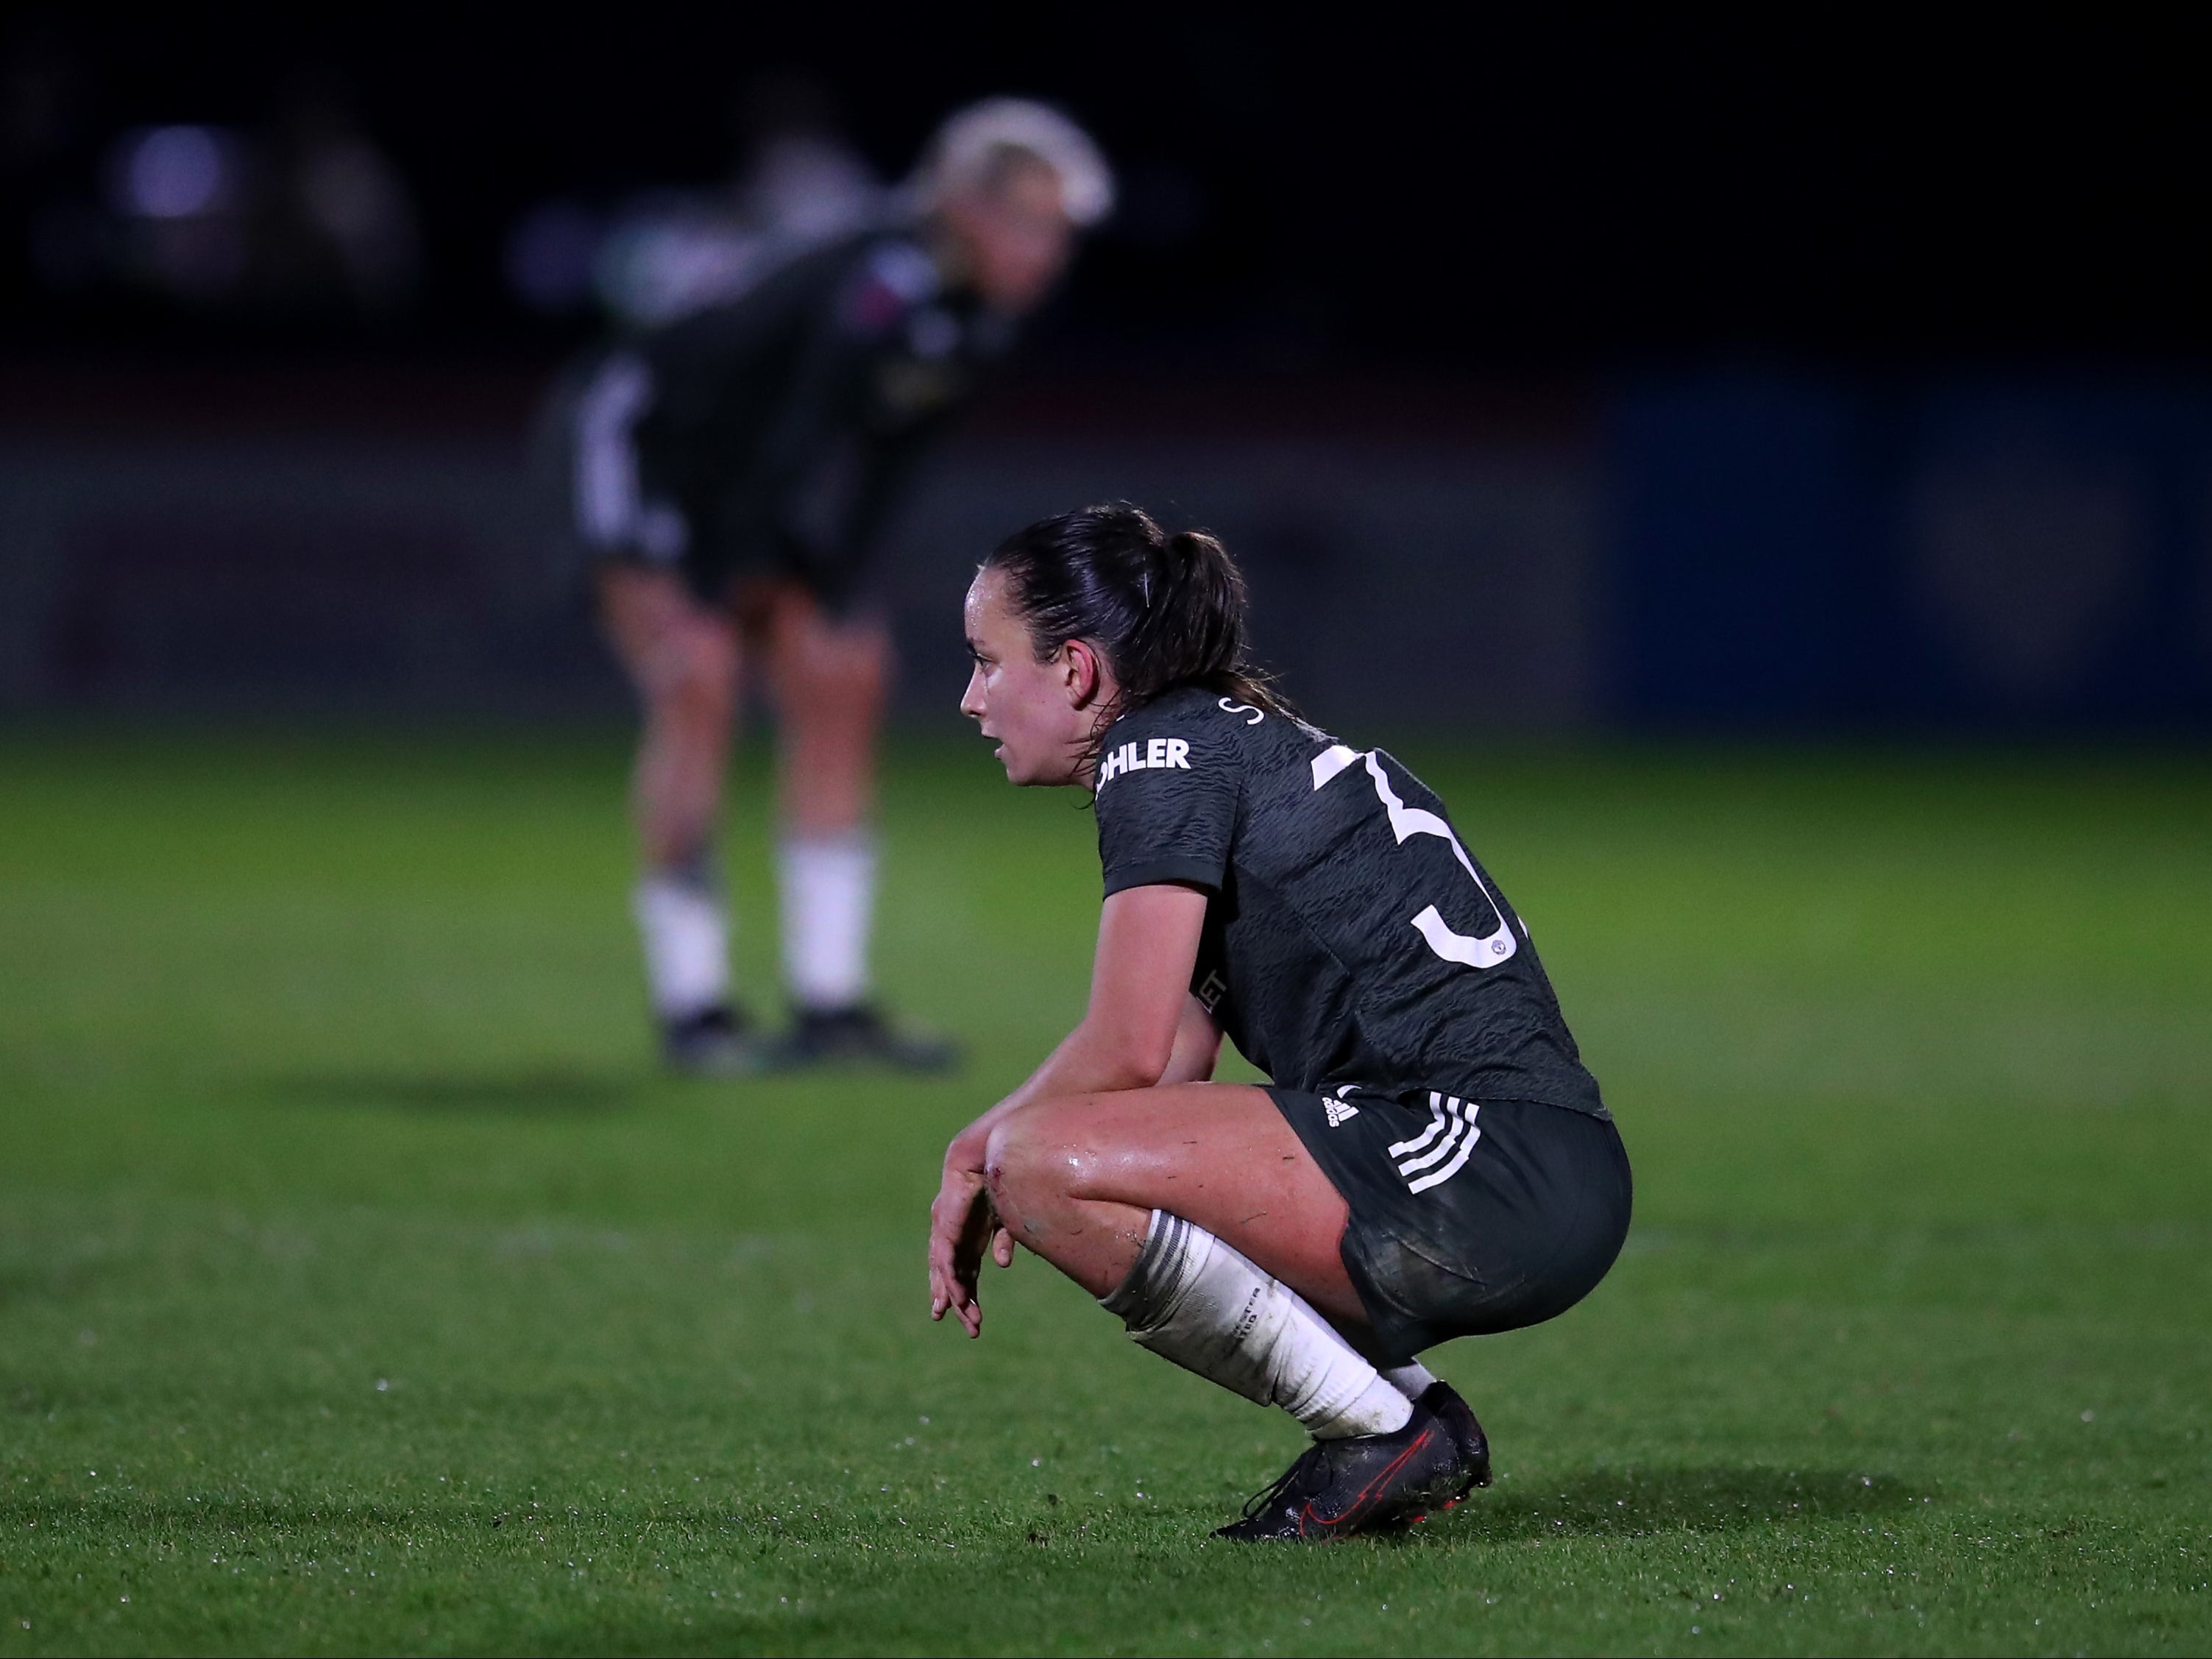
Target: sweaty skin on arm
(1142,1028)
(1197,1046)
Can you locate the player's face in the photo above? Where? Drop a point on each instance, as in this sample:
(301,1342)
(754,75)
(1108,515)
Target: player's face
(1016,237)
(1041,713)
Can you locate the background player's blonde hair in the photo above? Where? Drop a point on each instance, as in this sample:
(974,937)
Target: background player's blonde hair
(975,141)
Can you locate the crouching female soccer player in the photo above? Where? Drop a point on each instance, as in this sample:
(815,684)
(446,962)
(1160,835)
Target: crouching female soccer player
(1432,1159)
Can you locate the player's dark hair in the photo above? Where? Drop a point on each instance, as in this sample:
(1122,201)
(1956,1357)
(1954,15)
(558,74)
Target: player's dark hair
(1164,610)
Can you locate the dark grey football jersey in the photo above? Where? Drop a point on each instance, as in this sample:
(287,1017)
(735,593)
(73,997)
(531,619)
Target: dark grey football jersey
(782,423)
(1351,937)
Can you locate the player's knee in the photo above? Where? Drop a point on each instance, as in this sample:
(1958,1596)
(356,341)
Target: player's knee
(699,683)
(1024,1159)
(1003,1161)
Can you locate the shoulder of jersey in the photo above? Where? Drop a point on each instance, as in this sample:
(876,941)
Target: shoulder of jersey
(1218,718)
(1157,738)
(1205,712)
(1228,718)
(891,277)
(779,275)
(1190,729)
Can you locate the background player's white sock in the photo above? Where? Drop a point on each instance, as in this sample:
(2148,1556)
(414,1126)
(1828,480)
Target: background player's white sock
(1411,1379)
(685,926)
(1195,1300)
(829,903)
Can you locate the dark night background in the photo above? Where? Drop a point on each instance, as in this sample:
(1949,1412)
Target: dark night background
(1496,192)
(1801,373)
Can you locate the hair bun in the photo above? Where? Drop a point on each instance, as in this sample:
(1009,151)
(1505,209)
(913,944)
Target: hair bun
(1188,551)
(1167,609)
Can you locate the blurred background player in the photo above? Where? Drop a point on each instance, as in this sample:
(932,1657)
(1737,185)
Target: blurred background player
(728,474)
(799,183)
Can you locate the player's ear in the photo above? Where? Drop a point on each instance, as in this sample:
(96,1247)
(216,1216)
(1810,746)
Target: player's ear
(1080,667)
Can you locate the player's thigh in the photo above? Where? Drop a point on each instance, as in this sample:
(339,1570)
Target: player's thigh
(822,667)
(674,648)
(1220,1155)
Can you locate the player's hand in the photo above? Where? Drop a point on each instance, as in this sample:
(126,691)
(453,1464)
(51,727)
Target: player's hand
(962,1224)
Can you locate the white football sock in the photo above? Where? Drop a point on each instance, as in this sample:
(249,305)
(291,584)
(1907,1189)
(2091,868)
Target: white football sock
(1412,1379)
(829,902)
(686,929)
(1197,1300)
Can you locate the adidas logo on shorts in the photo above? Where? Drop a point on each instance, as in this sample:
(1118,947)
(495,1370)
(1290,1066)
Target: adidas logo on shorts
(1339,1108)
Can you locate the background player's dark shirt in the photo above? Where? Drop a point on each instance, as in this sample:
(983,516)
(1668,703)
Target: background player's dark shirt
(1349,936)
(782,421)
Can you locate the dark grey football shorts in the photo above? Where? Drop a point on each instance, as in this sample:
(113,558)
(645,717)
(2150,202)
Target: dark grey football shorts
(1467,1218)
(587,459)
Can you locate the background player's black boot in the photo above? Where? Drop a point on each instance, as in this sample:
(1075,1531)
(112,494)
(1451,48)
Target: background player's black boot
(1367,1483)
(858,1036)
(1458,1417)
(717,1041)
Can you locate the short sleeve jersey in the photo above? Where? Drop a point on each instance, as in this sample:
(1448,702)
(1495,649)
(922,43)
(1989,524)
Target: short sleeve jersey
(785,418)
(1349,938)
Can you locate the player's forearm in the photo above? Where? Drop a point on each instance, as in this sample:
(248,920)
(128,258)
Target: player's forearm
(1096,1059)
(1131,1033)
(1197,1047)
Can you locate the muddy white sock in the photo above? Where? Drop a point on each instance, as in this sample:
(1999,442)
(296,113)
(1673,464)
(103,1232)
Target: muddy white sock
(1411,1379)
(1194,1299)
(829,885)
(685,927)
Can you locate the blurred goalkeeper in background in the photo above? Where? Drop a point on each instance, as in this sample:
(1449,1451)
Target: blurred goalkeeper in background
(728,474)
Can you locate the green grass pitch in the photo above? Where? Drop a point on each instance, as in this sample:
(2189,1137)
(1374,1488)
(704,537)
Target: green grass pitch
(362,1290)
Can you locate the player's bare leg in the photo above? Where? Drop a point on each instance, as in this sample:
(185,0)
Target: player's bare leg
(1077,1182)
(1194,1212)
(828,677)
(684,661)
(1083,1175)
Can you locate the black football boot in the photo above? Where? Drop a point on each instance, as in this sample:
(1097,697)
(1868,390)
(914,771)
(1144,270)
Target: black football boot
(717,1041)
(858,1036)
(1458,1417)
(1365,1483)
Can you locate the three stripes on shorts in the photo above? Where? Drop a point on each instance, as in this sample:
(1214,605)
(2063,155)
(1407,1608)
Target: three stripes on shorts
(1439,1151)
